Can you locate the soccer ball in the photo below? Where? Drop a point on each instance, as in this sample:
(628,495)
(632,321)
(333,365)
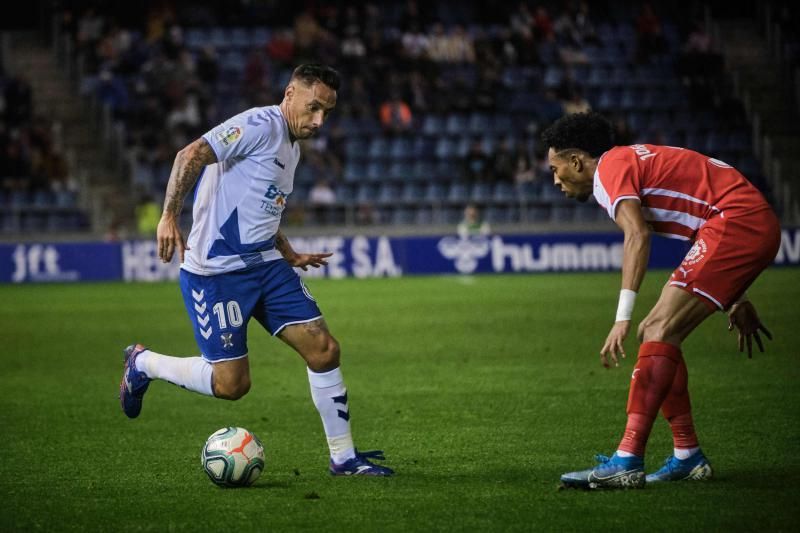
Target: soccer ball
(233,457)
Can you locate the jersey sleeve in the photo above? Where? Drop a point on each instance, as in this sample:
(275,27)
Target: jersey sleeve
(240,135)
(617,179)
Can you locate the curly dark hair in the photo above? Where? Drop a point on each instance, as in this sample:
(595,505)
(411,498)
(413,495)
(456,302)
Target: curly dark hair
(590,132)
(311,73)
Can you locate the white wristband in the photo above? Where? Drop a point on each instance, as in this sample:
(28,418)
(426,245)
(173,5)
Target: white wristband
(627,298)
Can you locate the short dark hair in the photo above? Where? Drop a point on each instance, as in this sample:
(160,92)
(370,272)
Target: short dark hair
(590,132)
(311,73)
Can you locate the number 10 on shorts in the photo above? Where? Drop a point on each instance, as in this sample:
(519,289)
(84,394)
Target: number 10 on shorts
(234,314)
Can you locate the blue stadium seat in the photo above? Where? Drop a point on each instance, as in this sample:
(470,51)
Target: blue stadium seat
(502,124)
(478,124)
(481,192)
(354,172)
(388,192)
(458,192)
(413,192)
(196,38)
(423,170)
(553,75)
(355,148)
(378,149)
(423,148)
(435,192)
(455,124)
(504,192)
(447,170)
(400,148)
(219,38)
(400,171)
(432,125)
(377,171)
(365,192)
(403,216)
(240,38)
(445,148)
(260,36)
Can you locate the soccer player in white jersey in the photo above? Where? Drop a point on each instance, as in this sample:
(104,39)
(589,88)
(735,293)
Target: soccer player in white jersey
(735,235)
(237,263)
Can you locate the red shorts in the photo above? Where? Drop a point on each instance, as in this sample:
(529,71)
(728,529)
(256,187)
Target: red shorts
(727,256)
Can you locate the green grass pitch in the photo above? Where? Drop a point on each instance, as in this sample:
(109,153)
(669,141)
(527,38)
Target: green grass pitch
(481,390)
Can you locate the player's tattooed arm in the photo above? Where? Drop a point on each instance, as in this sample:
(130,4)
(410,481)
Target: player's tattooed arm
(186,169)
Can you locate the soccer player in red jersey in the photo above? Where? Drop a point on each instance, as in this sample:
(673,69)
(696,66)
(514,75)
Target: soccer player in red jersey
(680,194)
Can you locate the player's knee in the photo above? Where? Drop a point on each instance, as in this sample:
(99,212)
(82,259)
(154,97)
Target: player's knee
(325,357)
(232,389)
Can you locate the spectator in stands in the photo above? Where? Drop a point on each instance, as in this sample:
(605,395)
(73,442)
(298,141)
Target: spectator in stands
(476,163)
(148,213)
(322,193)
(525,176)
(649,37)
(623,134)
(503,162)
(366,215)
(18,100)
(576,103)
(395,114)
(472,225)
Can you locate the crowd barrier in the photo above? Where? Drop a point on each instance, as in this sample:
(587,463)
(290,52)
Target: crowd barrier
(362,257)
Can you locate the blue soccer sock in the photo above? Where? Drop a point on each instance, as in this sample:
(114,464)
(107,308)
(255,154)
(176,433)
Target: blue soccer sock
(193,373)
(330,398)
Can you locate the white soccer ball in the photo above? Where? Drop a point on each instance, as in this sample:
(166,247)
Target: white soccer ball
(233,457)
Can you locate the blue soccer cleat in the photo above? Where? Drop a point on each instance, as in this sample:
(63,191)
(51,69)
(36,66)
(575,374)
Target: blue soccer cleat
(695,467)
(613,472)
(360,466)
(134,383)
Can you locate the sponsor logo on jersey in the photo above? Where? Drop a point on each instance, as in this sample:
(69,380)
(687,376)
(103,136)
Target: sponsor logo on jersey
(230,135)
(274,201)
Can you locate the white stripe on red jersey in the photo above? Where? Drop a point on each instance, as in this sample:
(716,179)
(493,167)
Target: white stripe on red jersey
(679,189)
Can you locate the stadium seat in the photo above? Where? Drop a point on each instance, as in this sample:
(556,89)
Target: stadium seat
(435,192)
(400,171)
(445,148)
(354,172)
(432,125)
(459,192)
(478,124)
(355,148)
(377,171)
(481,192)
(412,192)
(423,171)
(455,124)
(400,148)
(378,149)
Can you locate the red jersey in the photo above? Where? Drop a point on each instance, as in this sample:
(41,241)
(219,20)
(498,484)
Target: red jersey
(679,189)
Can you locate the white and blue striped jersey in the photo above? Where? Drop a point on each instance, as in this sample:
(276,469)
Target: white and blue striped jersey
(239,200)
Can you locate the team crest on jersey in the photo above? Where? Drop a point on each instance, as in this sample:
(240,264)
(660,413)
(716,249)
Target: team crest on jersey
(696,254)
(230,135)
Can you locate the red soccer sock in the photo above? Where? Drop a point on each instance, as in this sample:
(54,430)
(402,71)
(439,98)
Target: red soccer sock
(651,382)
(677,409)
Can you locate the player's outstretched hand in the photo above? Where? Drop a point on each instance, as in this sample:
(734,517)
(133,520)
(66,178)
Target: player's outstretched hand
(613,347)
(744,318)
(169,239)
(306,260)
